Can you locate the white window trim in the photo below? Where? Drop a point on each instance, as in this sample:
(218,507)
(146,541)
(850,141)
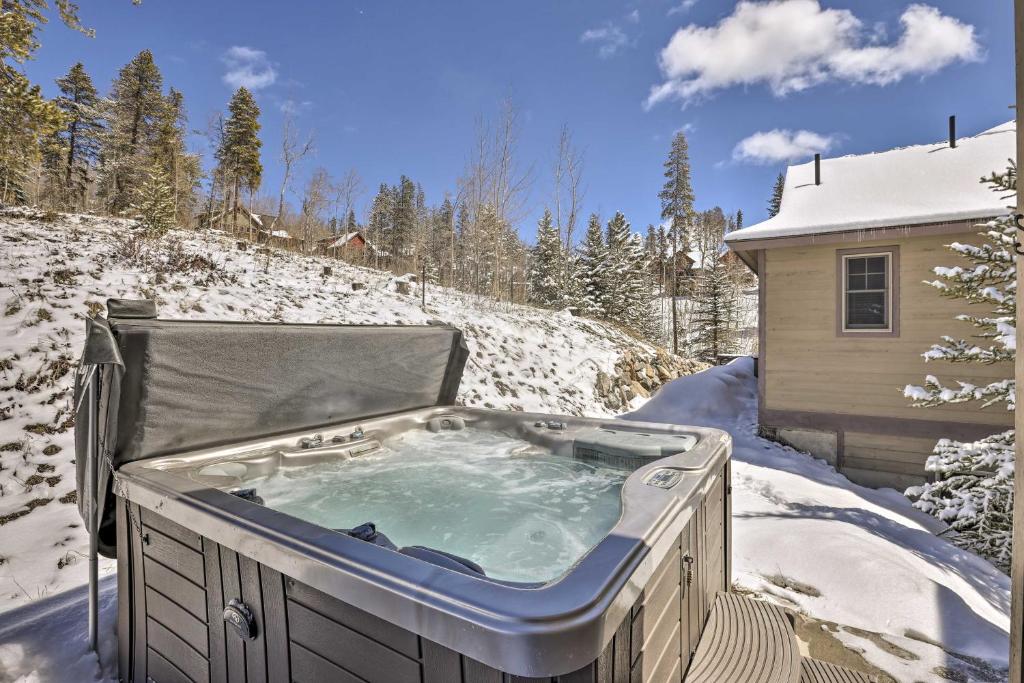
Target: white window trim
(891,254)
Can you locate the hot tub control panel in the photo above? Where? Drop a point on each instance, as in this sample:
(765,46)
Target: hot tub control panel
(663,478)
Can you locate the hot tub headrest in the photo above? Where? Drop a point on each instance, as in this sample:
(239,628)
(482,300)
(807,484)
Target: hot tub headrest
(184,385)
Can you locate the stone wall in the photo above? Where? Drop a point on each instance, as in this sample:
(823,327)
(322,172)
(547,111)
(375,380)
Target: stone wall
(641,374)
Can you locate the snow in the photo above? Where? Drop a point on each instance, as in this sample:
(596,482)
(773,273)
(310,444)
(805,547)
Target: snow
(902,187)
(875,560)
(47,640)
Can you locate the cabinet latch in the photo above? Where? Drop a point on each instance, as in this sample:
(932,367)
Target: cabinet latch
(688,568)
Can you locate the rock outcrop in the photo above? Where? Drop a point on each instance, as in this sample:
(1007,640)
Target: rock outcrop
(641,374)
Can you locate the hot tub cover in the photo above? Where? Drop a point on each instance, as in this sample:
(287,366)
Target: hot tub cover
(170,386)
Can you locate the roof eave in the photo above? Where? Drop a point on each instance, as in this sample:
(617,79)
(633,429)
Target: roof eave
(861,234)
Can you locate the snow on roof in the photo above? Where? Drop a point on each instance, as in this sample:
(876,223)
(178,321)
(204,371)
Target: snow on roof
(280,233)
(343,240)
(905,186)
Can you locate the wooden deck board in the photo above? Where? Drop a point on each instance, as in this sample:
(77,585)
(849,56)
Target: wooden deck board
(746,641)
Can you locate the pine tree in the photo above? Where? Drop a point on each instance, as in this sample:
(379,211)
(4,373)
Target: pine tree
(775,202)
(170,154)
(442,223)
(27,119)
(677,209)
(714,310)
(135,102)
(739,219)
(155,203)
(974,489)
(629,286)
(593,270)
(80,104)
(240,152)
(378,225)
(547,267)
(677,194)
(618,268)
(403,221)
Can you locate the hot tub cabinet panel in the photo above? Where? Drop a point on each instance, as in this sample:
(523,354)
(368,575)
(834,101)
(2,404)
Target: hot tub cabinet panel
(175,584)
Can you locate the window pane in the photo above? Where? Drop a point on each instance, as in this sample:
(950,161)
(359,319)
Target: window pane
(855,265)
(855,282)
(866,310)
(876,264)
(875,281)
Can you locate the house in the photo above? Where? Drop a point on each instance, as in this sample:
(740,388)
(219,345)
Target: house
(244,222)
(844,311)
(240,219)
(348,245)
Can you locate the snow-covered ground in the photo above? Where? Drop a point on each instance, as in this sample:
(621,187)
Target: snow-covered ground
(917,607)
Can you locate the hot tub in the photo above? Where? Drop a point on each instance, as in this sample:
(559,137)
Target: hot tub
(433,543)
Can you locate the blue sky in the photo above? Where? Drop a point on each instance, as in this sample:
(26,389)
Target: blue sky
(395,87)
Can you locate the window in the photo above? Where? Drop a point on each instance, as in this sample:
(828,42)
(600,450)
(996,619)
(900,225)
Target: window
(867,300)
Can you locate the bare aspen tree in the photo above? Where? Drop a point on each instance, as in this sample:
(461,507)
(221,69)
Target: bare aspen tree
(294,148)
(214,135)
(493,189)
(509,186)
(569,193)
(347,191)
(473,189)
(315,200)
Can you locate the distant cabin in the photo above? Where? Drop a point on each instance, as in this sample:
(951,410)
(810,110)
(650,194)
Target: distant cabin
(345,245)
(844,313)
(244,222)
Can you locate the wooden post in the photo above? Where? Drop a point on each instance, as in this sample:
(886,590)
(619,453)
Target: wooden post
(1017,564)
(423,284)
(672,299)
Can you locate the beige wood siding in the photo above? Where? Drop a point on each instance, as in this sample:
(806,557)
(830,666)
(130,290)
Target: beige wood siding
(809,368)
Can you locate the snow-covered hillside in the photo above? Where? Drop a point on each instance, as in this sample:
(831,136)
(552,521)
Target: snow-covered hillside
(55,270)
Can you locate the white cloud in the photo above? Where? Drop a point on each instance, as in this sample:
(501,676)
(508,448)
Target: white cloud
(609,39)
(294,106)
(792,45)
(773,146)
(248,67)
(682,8)
(633,17)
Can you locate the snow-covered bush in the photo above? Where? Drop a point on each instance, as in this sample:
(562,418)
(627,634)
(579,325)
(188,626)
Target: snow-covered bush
(974,490)
(973,494)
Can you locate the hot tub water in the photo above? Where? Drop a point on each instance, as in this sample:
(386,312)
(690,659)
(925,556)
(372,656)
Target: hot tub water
(519,511)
